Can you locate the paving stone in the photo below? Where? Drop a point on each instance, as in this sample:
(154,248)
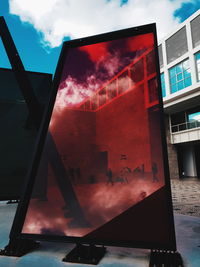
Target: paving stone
(186,197)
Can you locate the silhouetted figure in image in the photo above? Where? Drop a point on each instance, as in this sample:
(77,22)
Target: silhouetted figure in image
(137,170)
(154,172)
(124,173)
(110,176)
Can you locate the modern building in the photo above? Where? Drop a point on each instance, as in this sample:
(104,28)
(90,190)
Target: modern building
(179,56)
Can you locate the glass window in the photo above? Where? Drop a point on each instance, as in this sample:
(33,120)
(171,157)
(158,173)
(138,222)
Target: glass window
(195,29)
(194,119)
(178,118)
(153,95)
(87,105)
(180,76)
(112,89)
(198,56)
(137,71)
(186,64)
(197,59)
(151,67)
(162,79)
(180,85)
(160,54)
(123,82)
(179,68)
(176,45)
(173,88)
(173,80)
(94,102)
(172,72)
(188,82)
(187,73)
(102,97)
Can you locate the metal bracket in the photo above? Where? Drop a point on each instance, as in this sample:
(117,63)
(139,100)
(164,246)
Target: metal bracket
(19,247)
(86,254)
(165,258)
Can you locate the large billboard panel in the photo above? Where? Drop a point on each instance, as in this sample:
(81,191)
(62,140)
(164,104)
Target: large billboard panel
(100,171)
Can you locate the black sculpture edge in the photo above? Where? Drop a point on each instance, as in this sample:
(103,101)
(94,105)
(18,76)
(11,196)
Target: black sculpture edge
(19,247)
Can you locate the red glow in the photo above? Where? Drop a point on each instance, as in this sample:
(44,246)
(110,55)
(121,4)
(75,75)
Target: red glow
(141,42)
(96,52)
(72,92)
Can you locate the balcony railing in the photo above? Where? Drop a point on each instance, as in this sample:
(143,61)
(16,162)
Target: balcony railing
(185,126)
(133,75)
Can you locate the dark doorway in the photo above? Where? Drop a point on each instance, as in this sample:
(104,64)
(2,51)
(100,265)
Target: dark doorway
(197,159)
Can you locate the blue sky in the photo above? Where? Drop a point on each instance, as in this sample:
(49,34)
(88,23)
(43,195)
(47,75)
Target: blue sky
(27,41)
(38,33)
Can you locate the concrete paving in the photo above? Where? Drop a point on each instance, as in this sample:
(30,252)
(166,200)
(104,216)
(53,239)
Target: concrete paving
(50,254)
(186,196)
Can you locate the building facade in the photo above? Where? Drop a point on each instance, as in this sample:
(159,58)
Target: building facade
(179,56)
(17,129)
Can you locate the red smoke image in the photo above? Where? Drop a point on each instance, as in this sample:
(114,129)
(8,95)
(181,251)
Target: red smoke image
(96,52)
(99,63)
(141,42)
(103,152)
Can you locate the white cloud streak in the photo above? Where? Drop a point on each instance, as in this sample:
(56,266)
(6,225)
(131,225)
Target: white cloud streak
(57,19)
(73,92)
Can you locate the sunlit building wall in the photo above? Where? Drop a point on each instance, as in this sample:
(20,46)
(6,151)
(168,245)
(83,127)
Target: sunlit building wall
(179,56)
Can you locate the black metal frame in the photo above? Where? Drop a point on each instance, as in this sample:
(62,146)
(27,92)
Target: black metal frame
(21,75)
(24,202)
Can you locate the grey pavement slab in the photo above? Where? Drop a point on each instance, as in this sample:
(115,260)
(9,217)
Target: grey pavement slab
(50,254)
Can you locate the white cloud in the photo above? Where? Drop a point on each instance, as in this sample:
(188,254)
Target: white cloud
(56,19)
